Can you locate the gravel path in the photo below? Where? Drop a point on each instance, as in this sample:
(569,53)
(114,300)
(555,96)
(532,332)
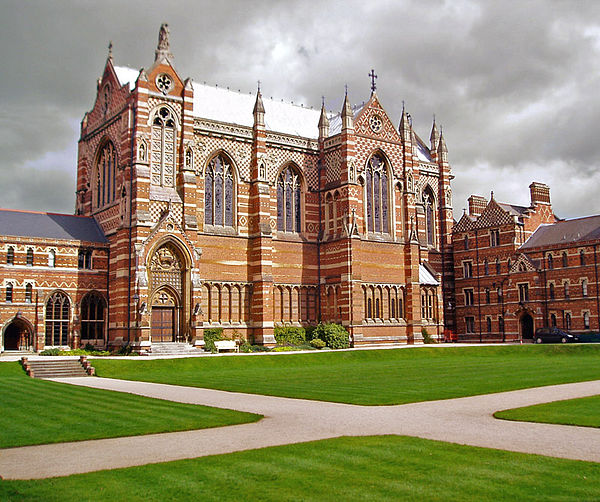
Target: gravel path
(466,420)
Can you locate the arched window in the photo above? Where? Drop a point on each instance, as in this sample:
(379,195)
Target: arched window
(162,158)
(429,203)
(57,319)
(376,185)
(501,324)
(52,258)
(30,257)
(218,192)
(566,285)
(552,292)
(553,320)
(582,257)
(486,267)
(10,255)
(92,317)
(488,322)
(586,320)
(106,173)
(568,320)
(550,262)
(508,265)
(584,287)
(9,292)
(497,265)
(565,261)
(466,242)
(288,201)
(189,158)
(28,293)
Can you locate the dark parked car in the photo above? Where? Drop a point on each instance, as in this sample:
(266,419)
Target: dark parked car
(554,335)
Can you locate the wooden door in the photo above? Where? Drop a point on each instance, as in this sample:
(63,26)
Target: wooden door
(163,324)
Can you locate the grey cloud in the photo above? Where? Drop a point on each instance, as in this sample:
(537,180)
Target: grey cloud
(477,65)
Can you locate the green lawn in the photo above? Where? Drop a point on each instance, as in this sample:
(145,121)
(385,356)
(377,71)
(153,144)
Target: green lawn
(584,411)
(373,377)
(37,412)
(366,468)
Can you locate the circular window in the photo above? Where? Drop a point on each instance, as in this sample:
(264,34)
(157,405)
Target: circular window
(164,83)
(376,123)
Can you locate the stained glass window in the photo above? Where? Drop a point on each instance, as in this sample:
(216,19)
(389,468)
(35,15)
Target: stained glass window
(376,181)
(219,192)
(162,145)
(57,319)
(92,317)
(429,202)
(106,174)
(288,201)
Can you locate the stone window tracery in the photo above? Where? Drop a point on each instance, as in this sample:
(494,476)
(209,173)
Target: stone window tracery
(219,192)
(429,203)
(288,201)
(376,195)
(166,268)
(57,319)
(162,158)
(105,174)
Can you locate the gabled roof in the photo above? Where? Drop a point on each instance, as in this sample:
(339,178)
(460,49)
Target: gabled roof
(50,226)
(565,232)
(513,209)
(494,214)
(224,105)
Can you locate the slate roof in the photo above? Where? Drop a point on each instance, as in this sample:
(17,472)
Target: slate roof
(565,232)
(50,226)
(224,105)
(426,277)
(514,210)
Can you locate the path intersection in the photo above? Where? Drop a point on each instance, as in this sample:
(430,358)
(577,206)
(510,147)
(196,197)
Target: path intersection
(467,420)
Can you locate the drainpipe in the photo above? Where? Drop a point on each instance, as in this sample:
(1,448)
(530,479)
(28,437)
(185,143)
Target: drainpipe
(597,293)
(130,224)
(478,286)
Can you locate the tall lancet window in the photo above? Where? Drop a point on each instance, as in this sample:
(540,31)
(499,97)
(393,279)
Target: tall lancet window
(218,192)
(162,159)
(377,205)
(429,203)
(106,174)
(288,201)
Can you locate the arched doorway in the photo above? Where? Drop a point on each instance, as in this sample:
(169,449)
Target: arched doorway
(169,285)
(526,326)
(18,336)
(165,325)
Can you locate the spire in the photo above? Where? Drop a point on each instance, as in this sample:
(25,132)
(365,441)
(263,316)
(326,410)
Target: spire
(347,114)
(434,137)
(109,57)
(259,109)
(163,49)
(442,148)
(323,121)
(404,126)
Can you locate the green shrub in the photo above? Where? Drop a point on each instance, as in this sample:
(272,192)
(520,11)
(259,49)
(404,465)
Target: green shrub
(211,335)
(125,350)
(317,343)
(310,332)
(290,335)
(427,338)
(50,352)
(334,335)
(259,348)
(245,345)
(89,347)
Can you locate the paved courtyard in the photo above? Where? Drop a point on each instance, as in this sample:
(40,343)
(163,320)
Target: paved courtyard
(466,420)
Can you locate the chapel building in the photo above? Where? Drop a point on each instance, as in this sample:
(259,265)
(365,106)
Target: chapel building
(214,208)
(519,268)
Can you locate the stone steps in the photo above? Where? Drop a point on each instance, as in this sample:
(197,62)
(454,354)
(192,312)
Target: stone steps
(55,369)
(173,349)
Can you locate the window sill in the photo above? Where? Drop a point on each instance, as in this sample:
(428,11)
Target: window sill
(219,230)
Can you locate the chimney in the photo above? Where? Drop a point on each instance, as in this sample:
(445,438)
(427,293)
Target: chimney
(477,204)
(540,193)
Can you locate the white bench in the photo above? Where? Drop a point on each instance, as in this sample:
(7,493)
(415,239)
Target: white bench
(226,345)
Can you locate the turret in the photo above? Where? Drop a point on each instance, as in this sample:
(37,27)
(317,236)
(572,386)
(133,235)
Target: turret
(434,137)
(323,123)
(259,110)
(404,127)
(442,148)
(347,114)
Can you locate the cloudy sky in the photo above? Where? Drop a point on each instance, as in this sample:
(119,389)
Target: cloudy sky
(515,84)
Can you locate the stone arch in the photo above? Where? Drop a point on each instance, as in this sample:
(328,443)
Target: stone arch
(103,180)
(430,206)
(57,310)
(17,334)
(378,192)
(221,177)
(291,187)
(526,325)
(169,265)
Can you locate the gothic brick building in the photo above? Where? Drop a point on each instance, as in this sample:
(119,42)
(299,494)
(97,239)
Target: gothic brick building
(220,209)
(518,268)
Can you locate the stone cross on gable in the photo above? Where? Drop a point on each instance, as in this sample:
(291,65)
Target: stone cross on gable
(373,77)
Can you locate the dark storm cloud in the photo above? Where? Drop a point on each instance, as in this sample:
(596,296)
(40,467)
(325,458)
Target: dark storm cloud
(514,83)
